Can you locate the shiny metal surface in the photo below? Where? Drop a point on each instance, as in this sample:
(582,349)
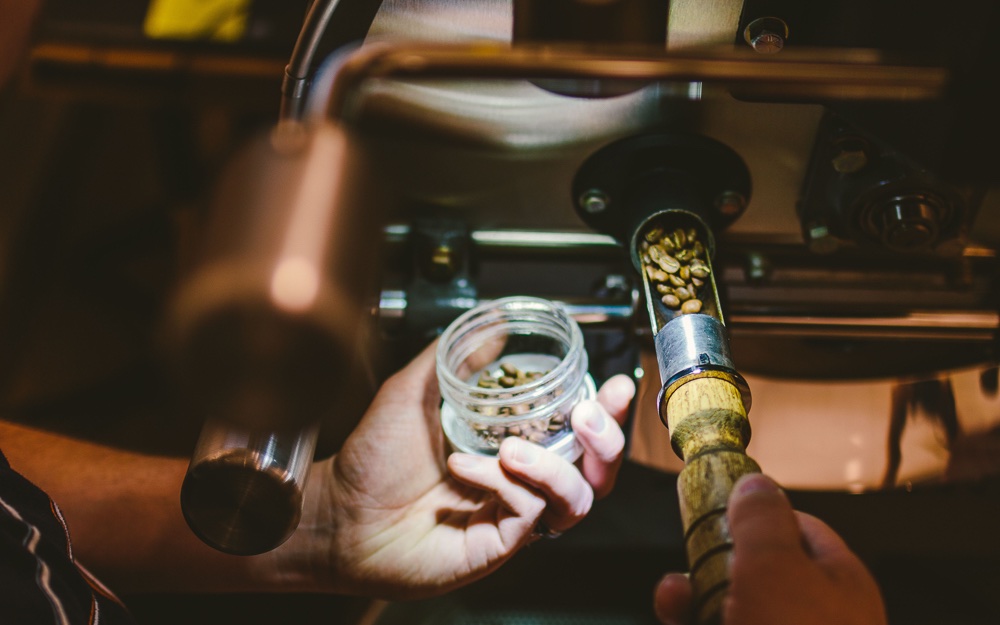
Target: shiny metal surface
(693,346)
(392,307)
(461,145)
(691,342)
(266,323)
(549,241)
(847,436)
(516,146)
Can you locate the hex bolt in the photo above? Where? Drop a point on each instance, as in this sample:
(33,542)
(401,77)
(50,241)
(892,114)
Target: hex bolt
(766,35)
(594,201)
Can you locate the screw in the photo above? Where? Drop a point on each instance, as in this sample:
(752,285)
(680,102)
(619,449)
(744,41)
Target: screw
(766,35)
(730,203)
(594,201)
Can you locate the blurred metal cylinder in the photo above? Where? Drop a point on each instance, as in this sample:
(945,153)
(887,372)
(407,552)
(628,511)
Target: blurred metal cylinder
(264,330)
(243,490)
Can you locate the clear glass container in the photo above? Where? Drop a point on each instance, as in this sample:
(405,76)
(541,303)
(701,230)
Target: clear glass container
(513,367)
(243,490)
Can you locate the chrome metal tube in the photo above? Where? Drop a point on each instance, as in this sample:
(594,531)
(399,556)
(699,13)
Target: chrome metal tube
(813,74)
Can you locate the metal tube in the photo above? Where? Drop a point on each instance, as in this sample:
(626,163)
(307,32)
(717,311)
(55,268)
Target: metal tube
(295,84)
(813,74)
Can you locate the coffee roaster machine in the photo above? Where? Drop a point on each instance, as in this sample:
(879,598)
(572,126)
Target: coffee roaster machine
(840,157)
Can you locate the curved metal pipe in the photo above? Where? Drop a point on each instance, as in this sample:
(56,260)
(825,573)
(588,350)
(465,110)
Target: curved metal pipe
(813,74)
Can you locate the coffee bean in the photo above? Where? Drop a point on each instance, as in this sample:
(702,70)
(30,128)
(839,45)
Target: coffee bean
(700,271)
(510,369)
(675,264)
(691,306)
(671,301)
(680,238)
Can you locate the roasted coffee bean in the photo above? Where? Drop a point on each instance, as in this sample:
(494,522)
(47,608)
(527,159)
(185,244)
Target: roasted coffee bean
(691,306)
(507,381)
(666,262)
(675,264)
(671,301)
(700,271)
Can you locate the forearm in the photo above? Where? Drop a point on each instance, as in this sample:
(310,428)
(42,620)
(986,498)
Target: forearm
(124,516)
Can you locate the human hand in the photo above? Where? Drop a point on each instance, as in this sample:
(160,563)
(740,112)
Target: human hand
(787,567)
(389,516)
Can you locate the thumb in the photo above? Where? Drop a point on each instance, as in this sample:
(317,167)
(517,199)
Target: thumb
(761,520)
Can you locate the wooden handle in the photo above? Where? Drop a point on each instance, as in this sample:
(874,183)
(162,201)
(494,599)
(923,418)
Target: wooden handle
(710,431)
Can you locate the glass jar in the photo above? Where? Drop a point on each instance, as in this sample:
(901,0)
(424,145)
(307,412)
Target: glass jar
(513,367)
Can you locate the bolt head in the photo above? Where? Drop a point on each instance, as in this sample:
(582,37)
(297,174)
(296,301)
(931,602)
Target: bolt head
(594,202)
(768,43)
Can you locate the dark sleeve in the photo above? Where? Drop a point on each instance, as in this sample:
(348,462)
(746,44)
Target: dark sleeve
(40,581)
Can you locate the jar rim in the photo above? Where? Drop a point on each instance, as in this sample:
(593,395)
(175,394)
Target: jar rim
(487,397)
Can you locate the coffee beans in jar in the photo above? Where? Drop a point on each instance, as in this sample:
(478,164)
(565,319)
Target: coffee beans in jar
(513,367)
(508,375)
(676,264)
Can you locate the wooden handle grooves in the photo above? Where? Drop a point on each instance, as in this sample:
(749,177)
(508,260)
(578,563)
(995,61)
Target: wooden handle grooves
(710,430)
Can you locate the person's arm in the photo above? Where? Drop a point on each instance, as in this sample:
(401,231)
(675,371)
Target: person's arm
(124,516)
(787,567)
(384,517)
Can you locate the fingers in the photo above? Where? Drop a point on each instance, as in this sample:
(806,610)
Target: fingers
(616,396)
(761,520)
(569,496)
(485,473)
(603,443)
(673,600)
